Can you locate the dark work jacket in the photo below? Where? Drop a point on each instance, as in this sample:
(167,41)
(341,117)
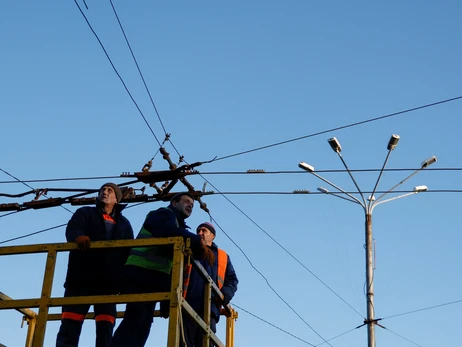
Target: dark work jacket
(97,269)
(163,222)
(195,293)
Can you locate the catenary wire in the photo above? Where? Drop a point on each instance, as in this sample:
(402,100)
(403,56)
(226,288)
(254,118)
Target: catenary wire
(55,227)
(288,252)
(273,325)
(236,173)
(423,309)
(337,336)
(117,73)
(280,245)
(402,337)
(34,233)
(137,66)
(340,128)
(268,283)
(17,179)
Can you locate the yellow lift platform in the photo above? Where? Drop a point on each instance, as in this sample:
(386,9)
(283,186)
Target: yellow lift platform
(37,321)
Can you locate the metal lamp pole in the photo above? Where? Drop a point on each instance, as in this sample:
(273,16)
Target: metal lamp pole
(368,206)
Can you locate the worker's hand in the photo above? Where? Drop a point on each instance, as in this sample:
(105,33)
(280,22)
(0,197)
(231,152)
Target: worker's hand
(83,242)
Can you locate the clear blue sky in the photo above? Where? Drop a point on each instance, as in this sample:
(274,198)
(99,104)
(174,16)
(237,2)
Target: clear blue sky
(230,77)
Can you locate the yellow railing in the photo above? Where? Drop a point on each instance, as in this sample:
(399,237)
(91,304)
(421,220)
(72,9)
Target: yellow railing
(37,321)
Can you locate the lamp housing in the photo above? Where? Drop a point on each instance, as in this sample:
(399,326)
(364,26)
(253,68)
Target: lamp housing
(334,144)
(393,142)
(306,167)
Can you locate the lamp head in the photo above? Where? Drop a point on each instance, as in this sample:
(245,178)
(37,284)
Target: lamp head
(305,166)
(335,145)
(393,142)
(323,190)
(428,162)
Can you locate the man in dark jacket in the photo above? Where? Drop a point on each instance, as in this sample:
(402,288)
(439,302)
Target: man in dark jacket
(94,271)
(148,269)
(222,273)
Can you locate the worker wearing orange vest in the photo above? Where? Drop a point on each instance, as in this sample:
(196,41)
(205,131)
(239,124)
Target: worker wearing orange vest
(222,273)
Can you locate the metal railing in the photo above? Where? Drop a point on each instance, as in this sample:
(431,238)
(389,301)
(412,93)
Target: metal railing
(37,321)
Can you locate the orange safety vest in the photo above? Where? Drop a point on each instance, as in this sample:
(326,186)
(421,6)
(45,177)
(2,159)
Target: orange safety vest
(221,271)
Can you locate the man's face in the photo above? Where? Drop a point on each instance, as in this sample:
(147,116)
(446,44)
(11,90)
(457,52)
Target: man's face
(107,196)
(206,235)
(184,206)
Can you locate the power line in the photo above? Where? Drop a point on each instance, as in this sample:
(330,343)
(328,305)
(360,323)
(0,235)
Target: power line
(34,233)
(290,254)
(288,333)
(340,128)
(61,179)
(423,309)
(117,73)
(273,325)
(339,335)
(269,284)
(252,173)
(404,338)
(137,66)
(47,229)
(17,179)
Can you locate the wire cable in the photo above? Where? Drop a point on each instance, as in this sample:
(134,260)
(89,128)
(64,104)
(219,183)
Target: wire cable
(404,338)
(233,173)
(282,247)
(423,309)
(117,72)
(339,335)
(34,233)
(340,128)
(17,179)
(269,284)
(273,325)
(137,66)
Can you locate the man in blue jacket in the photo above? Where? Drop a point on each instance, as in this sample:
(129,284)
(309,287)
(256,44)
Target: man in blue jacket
(94,271)
(222,273)
(148,269)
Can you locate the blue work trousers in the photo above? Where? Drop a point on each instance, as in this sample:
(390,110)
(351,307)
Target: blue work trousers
(135,327)
(73,317)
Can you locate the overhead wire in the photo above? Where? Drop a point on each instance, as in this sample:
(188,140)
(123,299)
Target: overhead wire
(339,128)
(268,283)
(250,173)
(339,335)
(117,73)
(34,233)
(273,325)
(289,333)
(290,254)
(17,179)
(137,66)
(402,337)
(423,309)
(55,227)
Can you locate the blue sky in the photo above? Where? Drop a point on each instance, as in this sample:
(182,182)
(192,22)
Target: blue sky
(231,77)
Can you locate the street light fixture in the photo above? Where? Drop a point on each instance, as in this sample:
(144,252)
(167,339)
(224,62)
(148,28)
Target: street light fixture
(368,207)
(428,162)
(393,142)
(333,142)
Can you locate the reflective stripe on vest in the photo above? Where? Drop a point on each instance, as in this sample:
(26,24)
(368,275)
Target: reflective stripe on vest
(221,271)
(151,257)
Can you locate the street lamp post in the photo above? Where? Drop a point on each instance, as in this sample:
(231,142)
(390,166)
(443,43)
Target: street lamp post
(368,207)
